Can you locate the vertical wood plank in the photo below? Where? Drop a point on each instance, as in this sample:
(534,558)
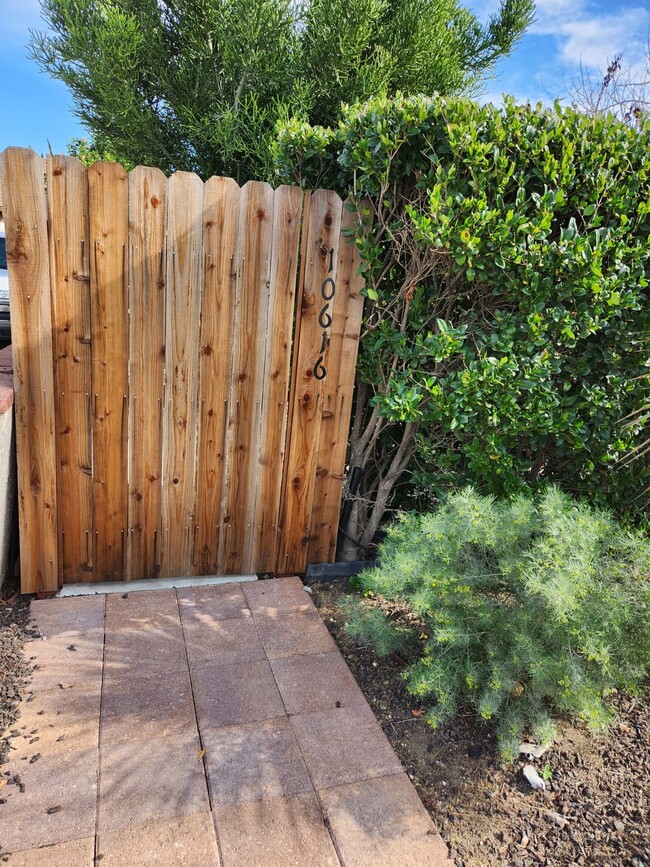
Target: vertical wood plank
(25,213)
(184,251)
(147,275)
(108,218)
(220,222)
(67,181)
(311,360)
(275,387)
(251,311)
(337,398)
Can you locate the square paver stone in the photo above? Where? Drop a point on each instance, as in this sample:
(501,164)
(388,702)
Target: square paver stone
(282,831)
(229,694)
(65,785)
(174,842)
(316,681)
(222,642)
(144,608)
(141,781)
(76,853)
(253,762)
(212,602)
(70,615)
(137,708)
(66,660)
(295,633)
(277,596)
(344,745)
(140,650)
(382,823)
(56,721)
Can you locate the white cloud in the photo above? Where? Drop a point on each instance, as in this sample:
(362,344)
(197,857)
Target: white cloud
(588,37)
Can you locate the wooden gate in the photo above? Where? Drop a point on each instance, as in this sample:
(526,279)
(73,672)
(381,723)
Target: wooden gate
(184,359)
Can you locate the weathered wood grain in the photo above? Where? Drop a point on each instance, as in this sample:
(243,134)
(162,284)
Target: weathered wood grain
(147,276)
(220,224)
(337,398)
(25,213)
(310,358)
(275,387)
(67,182)
(184,252)
(251,312)
(108,218)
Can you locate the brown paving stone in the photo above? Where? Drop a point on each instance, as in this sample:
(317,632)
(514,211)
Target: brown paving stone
(344,745)
(212,602)
(57,721)
(174,842)
(316,681)
(136,650)
(137,708)
(295,633)
(277,596)
(254,761)
(76,853)
(149,609)
(66,660)
(68,781)
(283,831)
(69,615)
(229,694)
(222,642)
(382,823)
(141,781)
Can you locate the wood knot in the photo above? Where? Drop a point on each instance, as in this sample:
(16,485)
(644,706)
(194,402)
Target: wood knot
(137,496)
(260,214)
(153,478)
(57,172)
(155,201)
(207,350)
(210,413)
(327,222)
(175,480)
(242,377)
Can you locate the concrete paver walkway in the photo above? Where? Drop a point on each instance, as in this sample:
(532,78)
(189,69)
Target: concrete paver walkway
(209,726)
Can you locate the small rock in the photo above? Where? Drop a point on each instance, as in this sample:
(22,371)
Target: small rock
(620,827)
(530,772)
(557,819)
(533,750)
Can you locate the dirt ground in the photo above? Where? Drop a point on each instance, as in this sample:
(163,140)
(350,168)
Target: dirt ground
(596,806)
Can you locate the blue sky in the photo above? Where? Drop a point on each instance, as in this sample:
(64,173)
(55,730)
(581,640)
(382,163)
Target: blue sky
(36,109)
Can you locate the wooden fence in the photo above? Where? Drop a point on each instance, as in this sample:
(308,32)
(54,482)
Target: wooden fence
(184,365)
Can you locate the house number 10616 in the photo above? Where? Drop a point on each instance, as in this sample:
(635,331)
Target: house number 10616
(327,291)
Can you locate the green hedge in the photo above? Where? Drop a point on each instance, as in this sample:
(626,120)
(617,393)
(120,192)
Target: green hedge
(508,312)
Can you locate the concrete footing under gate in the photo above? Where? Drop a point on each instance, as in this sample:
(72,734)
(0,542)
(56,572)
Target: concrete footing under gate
(151,584)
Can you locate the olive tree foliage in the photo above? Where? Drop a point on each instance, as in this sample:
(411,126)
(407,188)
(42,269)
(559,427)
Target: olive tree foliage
(200,85)
(507,264)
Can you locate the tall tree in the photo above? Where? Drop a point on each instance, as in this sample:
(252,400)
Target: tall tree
(201,84)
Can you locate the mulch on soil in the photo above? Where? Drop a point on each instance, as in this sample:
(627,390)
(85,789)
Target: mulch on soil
(14,668)
(596,806)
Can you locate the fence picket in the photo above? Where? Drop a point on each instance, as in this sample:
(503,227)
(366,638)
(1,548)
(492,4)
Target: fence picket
(337,398)
(147,279)
(184,239)
(274,392)
(25,212)
(220,222)
(311,359)
(70,280)
(108,216)
(251,310)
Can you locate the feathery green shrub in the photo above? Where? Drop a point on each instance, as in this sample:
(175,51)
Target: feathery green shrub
(528,607)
